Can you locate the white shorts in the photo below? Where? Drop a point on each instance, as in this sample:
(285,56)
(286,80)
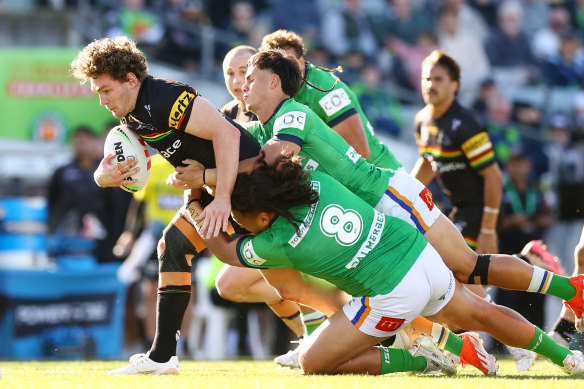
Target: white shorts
(426,288)
(408,199)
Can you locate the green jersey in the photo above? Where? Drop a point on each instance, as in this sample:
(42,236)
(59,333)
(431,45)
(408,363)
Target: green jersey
(342,240)
(337,105)
(322,149)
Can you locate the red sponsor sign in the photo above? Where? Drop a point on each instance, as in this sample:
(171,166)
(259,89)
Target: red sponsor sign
(426,195)
(389,324)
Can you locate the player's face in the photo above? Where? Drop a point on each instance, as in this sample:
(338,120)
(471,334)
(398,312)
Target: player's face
(256,88)
(253,222)
(234,73)
(115,95)
(437,86)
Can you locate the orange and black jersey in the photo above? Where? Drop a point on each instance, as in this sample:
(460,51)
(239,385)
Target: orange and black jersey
(458,147)
(163,108)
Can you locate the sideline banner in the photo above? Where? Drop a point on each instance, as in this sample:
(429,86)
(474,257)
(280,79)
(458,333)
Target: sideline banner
(40,100)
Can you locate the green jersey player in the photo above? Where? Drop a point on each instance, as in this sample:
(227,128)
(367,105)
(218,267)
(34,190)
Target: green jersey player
(315,225)
(333,101)
(291,128)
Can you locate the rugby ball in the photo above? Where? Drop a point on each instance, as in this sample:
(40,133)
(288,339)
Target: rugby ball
(126,144)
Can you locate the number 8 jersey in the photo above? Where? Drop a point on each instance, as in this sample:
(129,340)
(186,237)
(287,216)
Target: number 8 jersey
(356,248)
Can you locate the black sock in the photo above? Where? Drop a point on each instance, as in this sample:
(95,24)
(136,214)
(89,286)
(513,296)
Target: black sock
(171,305)
(565,328)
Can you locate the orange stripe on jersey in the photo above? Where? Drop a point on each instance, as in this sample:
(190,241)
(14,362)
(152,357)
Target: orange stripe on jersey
(190,232)
(406,204)
(364,314)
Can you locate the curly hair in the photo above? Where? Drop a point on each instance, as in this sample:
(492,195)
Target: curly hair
(275,187)
(281,64)
(116,57)
(283,39)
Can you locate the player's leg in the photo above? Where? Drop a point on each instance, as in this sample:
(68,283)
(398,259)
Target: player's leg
(467,310)
(345,343)
(406,198)
(241,284)
(176,249)
(565,328)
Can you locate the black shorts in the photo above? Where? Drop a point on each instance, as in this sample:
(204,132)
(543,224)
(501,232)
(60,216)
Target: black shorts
(468,221)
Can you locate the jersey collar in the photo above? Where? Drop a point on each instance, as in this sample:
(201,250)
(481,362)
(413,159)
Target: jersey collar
(276,110)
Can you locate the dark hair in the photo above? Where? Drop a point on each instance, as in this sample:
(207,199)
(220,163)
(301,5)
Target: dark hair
(116,57)
(439,57)
(274,187)
(281,64)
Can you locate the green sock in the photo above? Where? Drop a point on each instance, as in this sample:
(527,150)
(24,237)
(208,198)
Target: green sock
(561,287)
(546,346)
(394,360)
(446,340)
(545,282)
(311,321)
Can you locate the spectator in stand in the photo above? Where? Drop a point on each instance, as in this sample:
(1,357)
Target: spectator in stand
(348,27)
(245,24)
(566,67)
(578,112)
(546,41)
(406,70)
(135,19)
(525,217)
(407,22)
(471,21)
(537,12)
(487,9)
(300,16)
(468,51)
(353,63)
(503,133)
(75,204)
(487,91)
(566,171)
(508,48)
(178,46)
(384,112)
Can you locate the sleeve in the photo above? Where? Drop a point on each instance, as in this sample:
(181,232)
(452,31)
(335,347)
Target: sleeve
(338,105)
(293,127)
(259,251)
(475,143)
(174,105)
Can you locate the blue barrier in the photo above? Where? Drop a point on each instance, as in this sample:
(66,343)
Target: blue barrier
(73,312)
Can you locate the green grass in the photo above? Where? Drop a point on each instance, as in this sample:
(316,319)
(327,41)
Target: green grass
(250,374)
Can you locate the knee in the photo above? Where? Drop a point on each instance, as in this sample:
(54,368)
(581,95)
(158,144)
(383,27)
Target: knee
(312,365)
(229,287)
(465,265)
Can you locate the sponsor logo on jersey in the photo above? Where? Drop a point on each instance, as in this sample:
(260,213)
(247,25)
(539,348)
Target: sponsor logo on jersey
(311,165)
(476,145)
(294,119)
(426,196)
(372,240)
(455,124)
(250,255)
(147,107)
(166,153)
(334,101)
(178,109)
(353,154)
(307,222)
(389,324)
(445,167)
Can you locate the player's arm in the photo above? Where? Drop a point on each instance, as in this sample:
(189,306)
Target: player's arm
(352,130)
(207,123)
(224,248)
(113,174)
(273,149)
(423,171)
(493,187)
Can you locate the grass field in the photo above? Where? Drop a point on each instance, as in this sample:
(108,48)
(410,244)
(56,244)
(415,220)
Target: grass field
(251,374)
